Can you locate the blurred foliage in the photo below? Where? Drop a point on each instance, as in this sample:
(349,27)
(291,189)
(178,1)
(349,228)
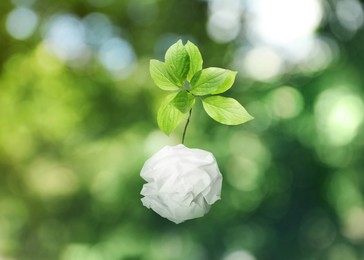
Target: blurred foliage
(78,120)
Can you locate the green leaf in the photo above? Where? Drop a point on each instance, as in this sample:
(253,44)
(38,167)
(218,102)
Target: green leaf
(178,63)
(169,116)
(229,81)
(209,80)
(195,59)
(160,76)
(224,110)
(183,101)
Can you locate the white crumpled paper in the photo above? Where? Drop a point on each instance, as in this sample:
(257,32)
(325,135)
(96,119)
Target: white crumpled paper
(182,183)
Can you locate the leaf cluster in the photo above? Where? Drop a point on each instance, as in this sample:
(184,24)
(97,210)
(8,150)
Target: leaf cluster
(182,74)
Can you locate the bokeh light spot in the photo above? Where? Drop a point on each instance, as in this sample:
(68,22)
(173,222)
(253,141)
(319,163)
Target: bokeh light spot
(243,174)
(155,141)
(251,158)
(239,255)
(98,29)
(49,180)
(321,55)
(286,102)
(21,23)
(118,57)
(262,63)
(223,26)
(223,23)
(338,116)
(249,146)
(285,22)
(354,223)
(288,26)
(65,37)
(81,251)
(350,14)
(343,192)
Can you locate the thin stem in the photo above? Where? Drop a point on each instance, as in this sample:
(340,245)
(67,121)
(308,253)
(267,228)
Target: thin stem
(188,121)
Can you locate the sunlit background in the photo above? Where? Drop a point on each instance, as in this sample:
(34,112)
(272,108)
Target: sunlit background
(78,120)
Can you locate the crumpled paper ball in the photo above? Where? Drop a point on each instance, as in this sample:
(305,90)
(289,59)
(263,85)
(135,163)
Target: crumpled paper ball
(182,183)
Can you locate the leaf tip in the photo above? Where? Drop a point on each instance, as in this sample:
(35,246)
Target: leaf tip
(248,118)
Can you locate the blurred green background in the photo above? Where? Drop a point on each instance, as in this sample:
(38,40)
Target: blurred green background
(78,120)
